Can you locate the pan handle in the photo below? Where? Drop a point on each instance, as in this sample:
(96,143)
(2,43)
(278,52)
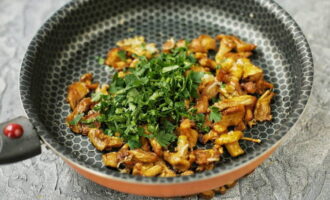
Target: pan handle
(18,140)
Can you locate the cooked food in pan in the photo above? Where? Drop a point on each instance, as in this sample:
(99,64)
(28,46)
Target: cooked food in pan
(162,107)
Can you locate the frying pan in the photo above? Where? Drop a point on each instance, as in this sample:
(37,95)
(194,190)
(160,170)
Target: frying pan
(70,42)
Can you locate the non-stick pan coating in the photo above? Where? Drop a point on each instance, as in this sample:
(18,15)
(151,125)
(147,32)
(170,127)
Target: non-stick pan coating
(69,45)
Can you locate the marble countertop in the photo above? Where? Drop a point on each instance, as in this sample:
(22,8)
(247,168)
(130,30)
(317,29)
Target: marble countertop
(299,169)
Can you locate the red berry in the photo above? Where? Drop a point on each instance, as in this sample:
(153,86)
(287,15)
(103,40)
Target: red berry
(13,130)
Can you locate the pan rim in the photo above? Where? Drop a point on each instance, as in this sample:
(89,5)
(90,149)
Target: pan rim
(25,73)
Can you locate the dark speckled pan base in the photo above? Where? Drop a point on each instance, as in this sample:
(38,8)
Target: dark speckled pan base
(68,45)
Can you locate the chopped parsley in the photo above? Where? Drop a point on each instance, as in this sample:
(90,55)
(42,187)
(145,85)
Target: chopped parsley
(76,119)
(199,119)
(215,115)
(100,60)
(88,121)
(151,97)
(223,85)
(122,55)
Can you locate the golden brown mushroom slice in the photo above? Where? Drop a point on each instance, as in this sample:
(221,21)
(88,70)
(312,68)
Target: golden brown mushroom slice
(226,46)
(156,147)
(250,71)
(140,155)
(187,173)
(138,46)
(129,158)
(263,85)
(133,41)
(231,70)
(229,43)
(110,159)
(245,100)
(238,55)
(230,137)
(121,57)
(87,79)
(249,87)
(209,86)
(145,146)
(211,135)
(248,118)
(76,91)
(205,61)
(171,44)
(221,190)
(186,128)
(166,171)
(153,171)
(114,159)
(253,78)
(232,116)
(168,45)
(181,43)
(116,58)
(202,104)
(242,46)
(197,68)
(102,141)
(234,149)
(179,159)
(230,140)
(103,89)
(262,111)
(207,194)
(202,44)
(83,106)
(147,169)
(230,73)
(207,156)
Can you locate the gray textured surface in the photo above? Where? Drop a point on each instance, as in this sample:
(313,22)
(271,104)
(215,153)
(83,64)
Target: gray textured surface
(299,169)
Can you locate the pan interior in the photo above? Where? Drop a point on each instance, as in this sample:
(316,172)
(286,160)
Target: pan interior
(71,42)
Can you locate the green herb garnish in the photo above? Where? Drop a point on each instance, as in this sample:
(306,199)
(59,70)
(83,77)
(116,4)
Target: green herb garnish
(223,85)
(122,55)
(199,119)
(76,119)
(100,60)
(152,95)
(88,121)
(215,114)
